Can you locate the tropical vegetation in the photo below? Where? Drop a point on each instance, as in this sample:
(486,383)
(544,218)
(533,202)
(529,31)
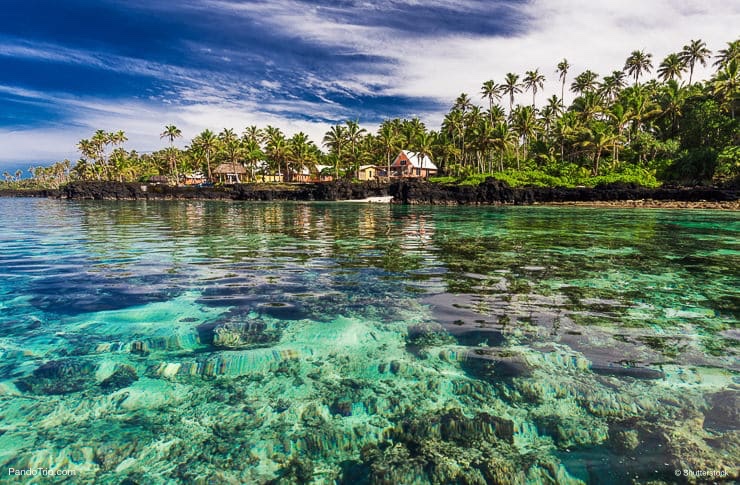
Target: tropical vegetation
(622,126)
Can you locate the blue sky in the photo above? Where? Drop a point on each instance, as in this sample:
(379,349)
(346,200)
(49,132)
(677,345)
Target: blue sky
(70,67)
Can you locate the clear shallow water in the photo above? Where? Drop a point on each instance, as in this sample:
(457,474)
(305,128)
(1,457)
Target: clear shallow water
(186,342)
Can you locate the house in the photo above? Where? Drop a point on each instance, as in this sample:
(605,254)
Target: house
(313,174)
(410,165)
(195,178)
(230,172)
(325,173)
(367,172)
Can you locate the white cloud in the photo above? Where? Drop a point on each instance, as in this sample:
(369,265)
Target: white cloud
(142,122)
(591,35)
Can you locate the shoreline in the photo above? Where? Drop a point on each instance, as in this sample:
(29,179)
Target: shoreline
(648,204)
(409,192)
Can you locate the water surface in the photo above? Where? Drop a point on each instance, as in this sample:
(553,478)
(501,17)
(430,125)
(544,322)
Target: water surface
(170,342)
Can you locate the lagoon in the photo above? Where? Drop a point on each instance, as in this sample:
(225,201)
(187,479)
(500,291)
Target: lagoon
(235,342)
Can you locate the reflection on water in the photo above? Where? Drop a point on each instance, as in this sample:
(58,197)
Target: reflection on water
(232,343)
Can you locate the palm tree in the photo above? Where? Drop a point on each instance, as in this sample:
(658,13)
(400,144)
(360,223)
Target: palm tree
(588,106)
(562,70)
(671,68)
(117,138)
(638,63)
(208,143)
(550,112)
(525,124)
(423,144)
(533,80)
(252,154)
(100,141)
(335,139)
(252,133)
(620,116)
(454,125)
(172,132)
(511,87)
(503,138)
(672,99)
(232,148)
(389,139)
(724,56)
(302,152)
(695,51)
(491,91)
(277,149)
(612,85)
(600,137)
(585,82)
(463,103)
(484,141)
(643,108)
(726,85)
(354,136)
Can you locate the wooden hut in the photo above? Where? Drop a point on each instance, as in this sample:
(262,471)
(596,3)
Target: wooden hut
(230,173)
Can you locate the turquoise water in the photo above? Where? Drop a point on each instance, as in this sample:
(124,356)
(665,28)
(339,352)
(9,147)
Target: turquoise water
(211,342)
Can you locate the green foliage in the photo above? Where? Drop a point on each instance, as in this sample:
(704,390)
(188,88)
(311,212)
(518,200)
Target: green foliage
(696,165)
(631,175)
(534,178)
(728,164)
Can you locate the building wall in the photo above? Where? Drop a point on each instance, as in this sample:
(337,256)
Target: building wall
(368,174)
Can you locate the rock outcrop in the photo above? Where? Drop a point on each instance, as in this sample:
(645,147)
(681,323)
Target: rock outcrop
(496,192)
(340,190)
(489,192)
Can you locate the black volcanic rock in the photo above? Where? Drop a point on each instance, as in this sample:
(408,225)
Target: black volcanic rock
(489,192)
(325,191)
(496,192)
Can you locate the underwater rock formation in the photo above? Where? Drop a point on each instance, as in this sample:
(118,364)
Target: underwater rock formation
(58,377)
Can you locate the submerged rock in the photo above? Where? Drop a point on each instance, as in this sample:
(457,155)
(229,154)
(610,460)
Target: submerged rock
(123,376)
(423,335)
(59,377)
(724,413)
(235,333)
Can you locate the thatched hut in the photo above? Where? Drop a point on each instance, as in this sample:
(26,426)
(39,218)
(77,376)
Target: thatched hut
(230,172)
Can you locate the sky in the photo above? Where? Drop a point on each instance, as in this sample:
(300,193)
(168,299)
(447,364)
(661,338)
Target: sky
(70,67)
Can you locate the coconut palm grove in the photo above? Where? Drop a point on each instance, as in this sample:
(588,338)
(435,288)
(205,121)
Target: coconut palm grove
(647,122)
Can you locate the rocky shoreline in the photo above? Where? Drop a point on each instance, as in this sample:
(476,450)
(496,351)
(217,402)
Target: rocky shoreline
(497,192)
(490,192)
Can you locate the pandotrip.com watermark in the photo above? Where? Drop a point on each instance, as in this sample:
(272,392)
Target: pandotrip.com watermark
(41,472)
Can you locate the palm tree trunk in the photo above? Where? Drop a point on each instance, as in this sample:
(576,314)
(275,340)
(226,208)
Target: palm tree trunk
(388,160)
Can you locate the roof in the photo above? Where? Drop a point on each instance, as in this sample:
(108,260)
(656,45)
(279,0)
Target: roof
(413,157)
(226,168)
(365,167)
